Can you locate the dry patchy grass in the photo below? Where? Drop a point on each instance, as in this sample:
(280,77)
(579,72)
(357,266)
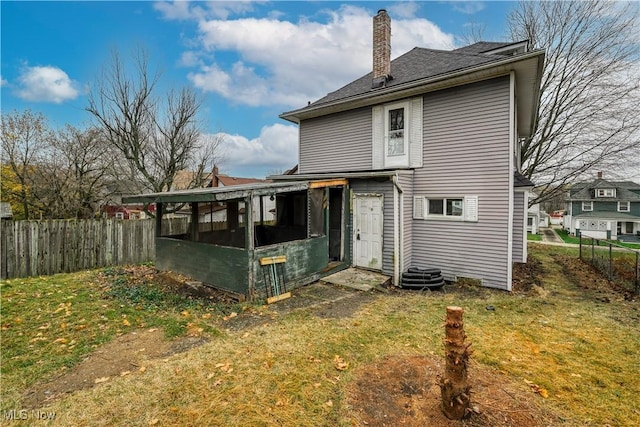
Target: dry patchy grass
(566,344)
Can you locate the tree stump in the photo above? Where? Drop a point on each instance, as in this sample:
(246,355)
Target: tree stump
(454,386)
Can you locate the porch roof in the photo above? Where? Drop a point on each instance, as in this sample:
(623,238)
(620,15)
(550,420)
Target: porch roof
(621,216)
(216,194)
(335,175)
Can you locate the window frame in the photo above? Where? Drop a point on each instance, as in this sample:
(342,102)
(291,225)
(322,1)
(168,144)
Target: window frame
(606,192)
(445,208)
(397,160)
(584,204)
(627,204)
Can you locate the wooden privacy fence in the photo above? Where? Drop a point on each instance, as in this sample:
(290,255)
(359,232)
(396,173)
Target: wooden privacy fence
(34,248)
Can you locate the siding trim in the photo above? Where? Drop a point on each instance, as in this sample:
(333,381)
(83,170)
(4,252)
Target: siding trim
(377,137)
(397,195)
(512,136)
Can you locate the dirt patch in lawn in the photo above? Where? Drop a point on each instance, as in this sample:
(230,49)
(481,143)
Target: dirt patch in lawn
(403,390)
(122,356)
(587,277)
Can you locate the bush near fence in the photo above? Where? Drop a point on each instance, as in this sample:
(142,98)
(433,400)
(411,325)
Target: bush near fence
(38,248)
(618,263)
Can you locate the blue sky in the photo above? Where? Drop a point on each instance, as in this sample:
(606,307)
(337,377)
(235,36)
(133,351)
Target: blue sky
(250,60)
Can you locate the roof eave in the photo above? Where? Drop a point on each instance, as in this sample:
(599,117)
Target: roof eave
(217,194)
(532,61)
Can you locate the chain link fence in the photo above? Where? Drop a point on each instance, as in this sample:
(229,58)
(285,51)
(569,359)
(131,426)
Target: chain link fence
(618,263)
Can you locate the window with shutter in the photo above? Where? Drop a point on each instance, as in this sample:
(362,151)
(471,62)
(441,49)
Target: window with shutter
(397,134)
(446,208)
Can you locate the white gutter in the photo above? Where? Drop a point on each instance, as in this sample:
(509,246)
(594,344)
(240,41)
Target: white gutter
(512,139)
(397,228)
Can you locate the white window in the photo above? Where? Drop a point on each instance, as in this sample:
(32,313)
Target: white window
(447,208)
(119,215)
(624,207)
(606,192)
(397,134)
(587,206)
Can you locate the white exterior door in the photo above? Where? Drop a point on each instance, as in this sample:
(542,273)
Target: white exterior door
(367,231)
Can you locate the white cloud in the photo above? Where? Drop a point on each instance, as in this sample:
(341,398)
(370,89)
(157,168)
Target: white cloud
(275,148)
(468,7)
(3,82)
(185,10)
(189,59)
(46,84)
(405,9)
(292,63)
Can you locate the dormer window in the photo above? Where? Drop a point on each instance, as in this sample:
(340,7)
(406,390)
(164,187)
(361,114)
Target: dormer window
(606,192)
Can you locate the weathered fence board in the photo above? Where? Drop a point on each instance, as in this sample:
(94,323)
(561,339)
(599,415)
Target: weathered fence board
(33,248)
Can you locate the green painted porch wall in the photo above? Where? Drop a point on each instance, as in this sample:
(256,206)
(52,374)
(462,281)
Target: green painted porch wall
(222,267)
(304,259)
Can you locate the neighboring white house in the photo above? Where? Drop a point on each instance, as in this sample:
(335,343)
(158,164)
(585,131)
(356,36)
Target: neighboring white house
(536,218)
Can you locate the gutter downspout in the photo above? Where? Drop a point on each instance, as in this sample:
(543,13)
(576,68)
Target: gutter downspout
(397,228)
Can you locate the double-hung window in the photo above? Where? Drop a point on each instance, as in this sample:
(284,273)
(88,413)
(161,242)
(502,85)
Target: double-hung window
(397,134)
(396,141)
(587,206)
(623,207)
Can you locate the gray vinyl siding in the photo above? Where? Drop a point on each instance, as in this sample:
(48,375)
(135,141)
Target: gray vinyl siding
(386,189)
(339,142)
(405,181)
(519,224)
(609,206)
(467,149)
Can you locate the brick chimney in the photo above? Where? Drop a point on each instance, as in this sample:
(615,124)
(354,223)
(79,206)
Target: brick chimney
(214,177)
(381,48)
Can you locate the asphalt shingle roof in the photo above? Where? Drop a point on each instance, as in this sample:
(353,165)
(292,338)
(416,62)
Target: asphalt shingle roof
(481,47)
(625,190)
(521,180)
(420,63)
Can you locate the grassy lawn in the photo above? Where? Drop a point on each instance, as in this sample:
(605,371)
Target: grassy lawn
(564,235)
(560,336)
(534,237)
(51,323)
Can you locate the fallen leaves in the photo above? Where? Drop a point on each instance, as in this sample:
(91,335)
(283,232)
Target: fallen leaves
(339,363)
(224,367)
(230,316)
(537,389)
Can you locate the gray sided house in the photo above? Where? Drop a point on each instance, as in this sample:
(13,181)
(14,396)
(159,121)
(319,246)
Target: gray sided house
(445,128)
(604,209)
(412,165)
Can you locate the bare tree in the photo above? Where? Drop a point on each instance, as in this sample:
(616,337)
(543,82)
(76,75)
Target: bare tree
(474,33)
(157,137)
(81,162)
(590,89)
(25,136)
